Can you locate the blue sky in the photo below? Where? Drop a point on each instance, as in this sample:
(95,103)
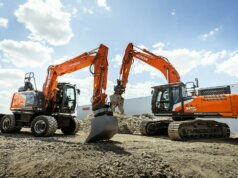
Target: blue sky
(198,37)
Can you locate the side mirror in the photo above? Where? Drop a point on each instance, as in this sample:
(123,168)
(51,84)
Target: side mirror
(152,91)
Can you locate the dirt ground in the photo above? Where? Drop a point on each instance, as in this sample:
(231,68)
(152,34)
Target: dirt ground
(125,155)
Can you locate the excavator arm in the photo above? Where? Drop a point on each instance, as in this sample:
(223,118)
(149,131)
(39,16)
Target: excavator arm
(159,62)
(103,126)
(96,58)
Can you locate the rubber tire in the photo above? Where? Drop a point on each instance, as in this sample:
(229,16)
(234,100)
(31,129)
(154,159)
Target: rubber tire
(51,126)
(73,127)
(12,127)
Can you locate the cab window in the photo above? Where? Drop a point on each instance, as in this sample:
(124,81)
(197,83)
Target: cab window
(176,96)
(163,102)
(69,98)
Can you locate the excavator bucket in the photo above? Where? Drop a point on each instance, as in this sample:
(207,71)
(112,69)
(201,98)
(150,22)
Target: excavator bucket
(102,128)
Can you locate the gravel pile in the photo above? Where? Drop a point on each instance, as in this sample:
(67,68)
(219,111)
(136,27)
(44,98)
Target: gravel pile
(127,124)
(134,166)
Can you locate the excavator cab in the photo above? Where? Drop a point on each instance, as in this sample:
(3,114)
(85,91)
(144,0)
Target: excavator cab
(66,98)
(169,100)
(165,97)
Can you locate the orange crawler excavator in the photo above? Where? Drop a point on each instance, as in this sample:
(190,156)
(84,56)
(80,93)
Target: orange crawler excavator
(182,102)
(56,106)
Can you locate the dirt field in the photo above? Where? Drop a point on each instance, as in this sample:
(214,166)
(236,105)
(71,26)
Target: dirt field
(126,155)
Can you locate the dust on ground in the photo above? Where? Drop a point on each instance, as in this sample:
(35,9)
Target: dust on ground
(125,155)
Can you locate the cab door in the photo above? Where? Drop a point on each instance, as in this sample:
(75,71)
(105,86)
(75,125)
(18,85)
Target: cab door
(69,99)
(177,101)
(161,101)
(66,99)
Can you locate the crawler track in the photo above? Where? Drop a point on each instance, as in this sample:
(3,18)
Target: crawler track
(183,130)
(158,127)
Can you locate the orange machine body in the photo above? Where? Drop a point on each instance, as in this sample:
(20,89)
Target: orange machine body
(27,101)
(225,105)
(18,101)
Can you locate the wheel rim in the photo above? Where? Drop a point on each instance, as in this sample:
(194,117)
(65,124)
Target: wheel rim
(40,127)
(6,124)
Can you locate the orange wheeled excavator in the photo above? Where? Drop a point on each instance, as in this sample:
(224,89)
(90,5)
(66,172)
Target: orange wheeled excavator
(56,106)
(182,102)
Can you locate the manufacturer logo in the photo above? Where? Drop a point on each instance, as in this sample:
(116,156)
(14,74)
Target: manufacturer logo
(191,108)
(142,57)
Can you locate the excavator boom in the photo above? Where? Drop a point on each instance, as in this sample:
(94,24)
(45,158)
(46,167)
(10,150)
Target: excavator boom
(96,58)
(158,62)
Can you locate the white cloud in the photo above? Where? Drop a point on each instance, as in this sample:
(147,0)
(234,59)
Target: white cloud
(139,89)
(103,4)
(8,88)
(213,57)
(211,33)
(5,60)
(36,38)
(74,12)
(117,60)
(86,87)
(46,21)
(229,66)
(173,12)
(13,75)
(25,53)
(138,67)
(159,45)
(185,60)
(3,22)
(61,60)
(87,10)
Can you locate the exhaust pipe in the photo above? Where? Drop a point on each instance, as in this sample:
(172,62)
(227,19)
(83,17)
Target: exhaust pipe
(197,83)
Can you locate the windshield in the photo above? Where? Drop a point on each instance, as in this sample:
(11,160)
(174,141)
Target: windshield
(162,100)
